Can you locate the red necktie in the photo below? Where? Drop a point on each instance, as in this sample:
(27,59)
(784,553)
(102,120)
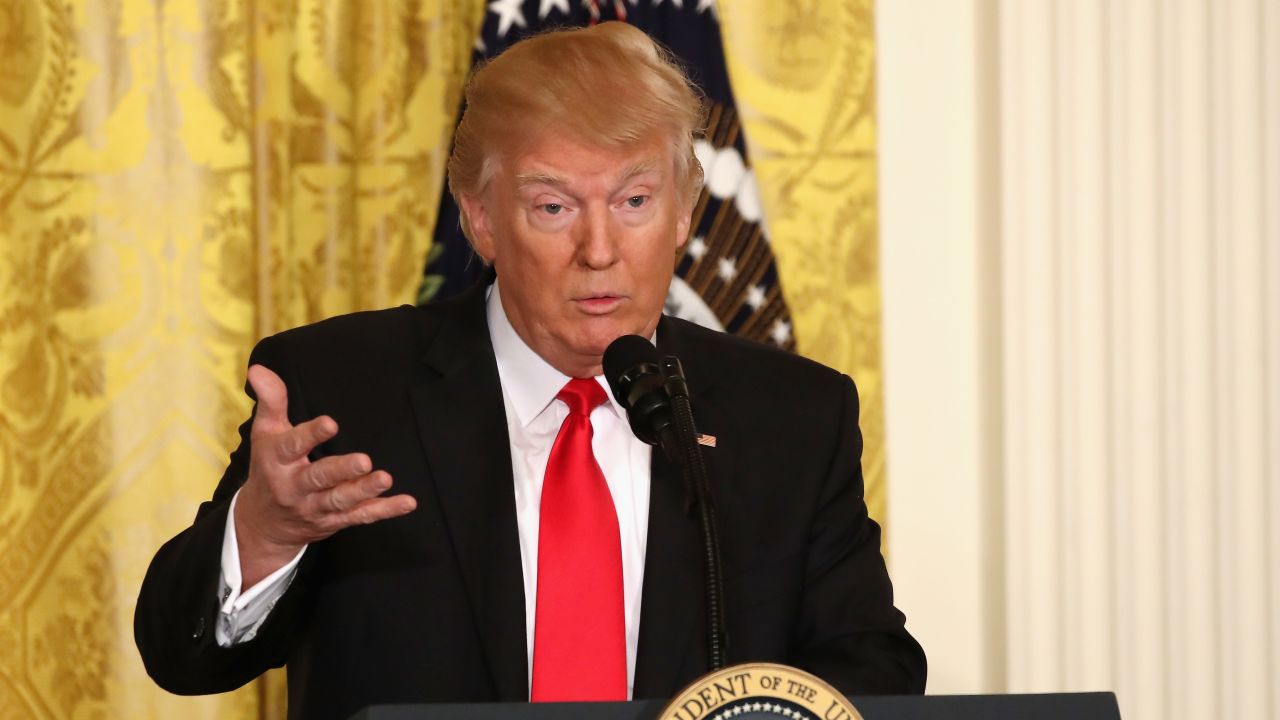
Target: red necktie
(579,635)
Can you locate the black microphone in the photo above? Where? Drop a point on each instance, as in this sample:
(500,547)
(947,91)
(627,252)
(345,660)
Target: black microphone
(655,395)
(632,370)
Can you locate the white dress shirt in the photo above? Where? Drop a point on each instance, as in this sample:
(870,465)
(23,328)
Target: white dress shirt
(534,417)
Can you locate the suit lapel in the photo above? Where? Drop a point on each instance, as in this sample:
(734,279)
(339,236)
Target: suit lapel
(462,425)
(671,599)
(672,615)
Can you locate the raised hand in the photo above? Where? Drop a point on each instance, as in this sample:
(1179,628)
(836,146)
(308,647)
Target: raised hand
(288,501)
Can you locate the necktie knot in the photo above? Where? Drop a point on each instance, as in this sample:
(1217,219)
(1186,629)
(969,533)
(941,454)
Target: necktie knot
(582,395)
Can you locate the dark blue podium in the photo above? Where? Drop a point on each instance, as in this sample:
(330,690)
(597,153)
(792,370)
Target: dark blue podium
(1057,706)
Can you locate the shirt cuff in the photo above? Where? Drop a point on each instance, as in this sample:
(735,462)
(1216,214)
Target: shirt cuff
(240,614)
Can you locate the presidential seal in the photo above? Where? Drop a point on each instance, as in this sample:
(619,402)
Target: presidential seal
(759,691)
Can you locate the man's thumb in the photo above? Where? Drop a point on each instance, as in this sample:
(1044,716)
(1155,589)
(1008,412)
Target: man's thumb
(273,398)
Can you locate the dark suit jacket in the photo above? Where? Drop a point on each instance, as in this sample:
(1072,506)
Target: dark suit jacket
(430,607)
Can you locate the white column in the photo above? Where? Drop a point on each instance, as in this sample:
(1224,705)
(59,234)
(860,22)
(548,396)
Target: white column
(938,271)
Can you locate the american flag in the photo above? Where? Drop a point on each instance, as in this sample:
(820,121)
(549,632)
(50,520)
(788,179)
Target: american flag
(727,278)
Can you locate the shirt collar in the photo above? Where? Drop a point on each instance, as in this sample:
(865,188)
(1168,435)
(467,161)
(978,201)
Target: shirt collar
(528,381)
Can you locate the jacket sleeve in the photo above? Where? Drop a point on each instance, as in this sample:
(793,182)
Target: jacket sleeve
(176,614)
(848,631)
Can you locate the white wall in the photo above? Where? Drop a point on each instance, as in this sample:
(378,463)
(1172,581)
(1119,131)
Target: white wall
(1081,269)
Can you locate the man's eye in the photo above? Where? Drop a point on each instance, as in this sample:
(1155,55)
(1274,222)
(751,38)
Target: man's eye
(636,201)
(552,208)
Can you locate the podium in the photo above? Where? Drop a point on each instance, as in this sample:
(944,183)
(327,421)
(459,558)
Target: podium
(1055,706)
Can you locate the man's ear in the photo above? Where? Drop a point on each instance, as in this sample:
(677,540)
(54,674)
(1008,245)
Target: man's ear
(476,222)
(682,227)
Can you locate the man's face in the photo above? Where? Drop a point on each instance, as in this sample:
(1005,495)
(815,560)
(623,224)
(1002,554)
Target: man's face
(584,241)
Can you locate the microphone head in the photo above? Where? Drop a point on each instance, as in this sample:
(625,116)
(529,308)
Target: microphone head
(631,369)
(622,358)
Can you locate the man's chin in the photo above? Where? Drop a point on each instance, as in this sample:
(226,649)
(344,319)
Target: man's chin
(594,343)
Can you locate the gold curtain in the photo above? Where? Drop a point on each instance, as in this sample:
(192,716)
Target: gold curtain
(181,177)
(177,179)
(803,73)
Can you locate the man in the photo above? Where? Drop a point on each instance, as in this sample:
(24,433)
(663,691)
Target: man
(535,549)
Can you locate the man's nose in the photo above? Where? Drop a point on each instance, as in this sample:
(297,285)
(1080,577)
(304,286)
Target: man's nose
(597,239)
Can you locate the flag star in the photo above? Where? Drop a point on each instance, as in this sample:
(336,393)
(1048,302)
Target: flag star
(781,332)
(755,296)
(509,12)
(547,5)
(726,268)
(697,248)
(786,712)
(737,711)
(757,707)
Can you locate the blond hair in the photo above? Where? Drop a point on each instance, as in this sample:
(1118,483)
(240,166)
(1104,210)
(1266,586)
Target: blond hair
(609,84)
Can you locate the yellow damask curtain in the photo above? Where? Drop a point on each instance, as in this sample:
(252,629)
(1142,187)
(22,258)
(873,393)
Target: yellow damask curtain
(803,73)
(179,178)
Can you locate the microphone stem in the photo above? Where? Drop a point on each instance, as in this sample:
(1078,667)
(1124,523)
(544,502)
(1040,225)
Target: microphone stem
(695,475)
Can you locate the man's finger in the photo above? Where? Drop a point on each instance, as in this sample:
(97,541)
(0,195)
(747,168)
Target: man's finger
(297,442)
(273,399)
(375,510)
(344,496)
(330,471)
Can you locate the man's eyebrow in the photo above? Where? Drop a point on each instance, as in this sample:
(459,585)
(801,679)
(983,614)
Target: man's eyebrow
(639,168)
(538,178)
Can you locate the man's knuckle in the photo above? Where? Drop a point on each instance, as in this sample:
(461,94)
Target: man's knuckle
(317,479)
(340,499)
